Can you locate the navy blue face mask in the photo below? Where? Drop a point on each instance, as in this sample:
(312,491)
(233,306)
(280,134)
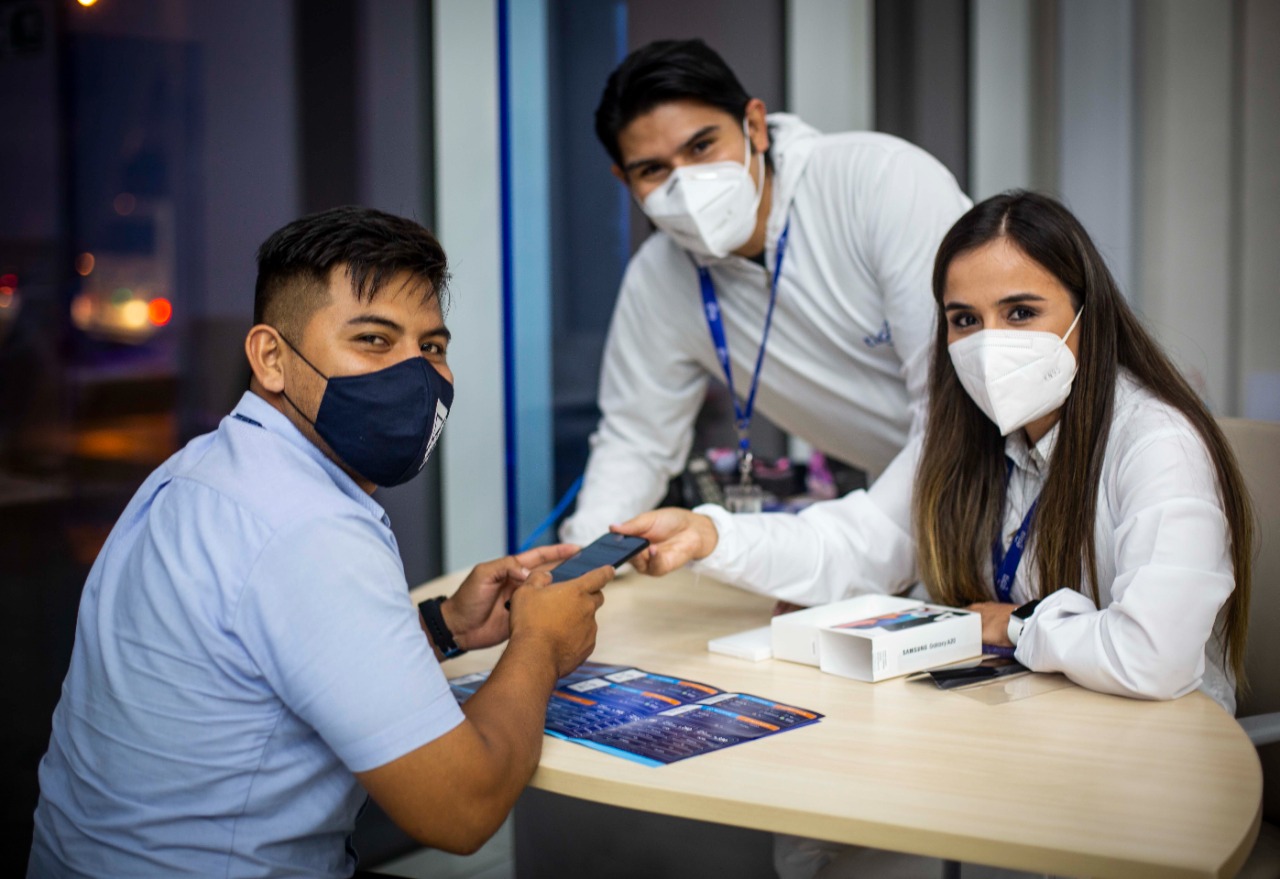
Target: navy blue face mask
(382,424)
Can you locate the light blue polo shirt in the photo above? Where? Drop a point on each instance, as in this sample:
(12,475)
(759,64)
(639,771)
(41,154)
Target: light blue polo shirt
(245,642)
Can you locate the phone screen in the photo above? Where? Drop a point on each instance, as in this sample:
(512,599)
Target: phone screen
(611,549)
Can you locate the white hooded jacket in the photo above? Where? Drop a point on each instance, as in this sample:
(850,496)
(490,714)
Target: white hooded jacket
(848,353)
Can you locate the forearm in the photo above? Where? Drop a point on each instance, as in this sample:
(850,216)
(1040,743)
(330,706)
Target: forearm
(510,710)
(456,789)
(830,551)
(454,792)
(1151,645)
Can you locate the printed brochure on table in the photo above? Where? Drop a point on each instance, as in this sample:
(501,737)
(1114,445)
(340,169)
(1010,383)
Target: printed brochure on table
(651,718)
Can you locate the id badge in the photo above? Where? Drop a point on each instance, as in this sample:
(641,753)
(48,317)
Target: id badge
(744,498)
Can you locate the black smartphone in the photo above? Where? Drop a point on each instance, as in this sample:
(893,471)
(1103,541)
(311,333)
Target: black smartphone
(611,549)
(990,667)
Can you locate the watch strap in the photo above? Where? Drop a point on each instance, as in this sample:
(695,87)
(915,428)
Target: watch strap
(437,628)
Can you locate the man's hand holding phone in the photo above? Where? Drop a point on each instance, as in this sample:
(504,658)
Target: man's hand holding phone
(562,615)
(515,594)
(563,587)
(477,612)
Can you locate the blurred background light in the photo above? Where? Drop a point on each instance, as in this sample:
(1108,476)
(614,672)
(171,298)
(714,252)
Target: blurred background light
(82,311)
(124,203)
(134,314)
(159,311)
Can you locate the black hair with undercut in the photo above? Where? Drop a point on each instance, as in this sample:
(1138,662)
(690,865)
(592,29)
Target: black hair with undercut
(295,263)
(664,71)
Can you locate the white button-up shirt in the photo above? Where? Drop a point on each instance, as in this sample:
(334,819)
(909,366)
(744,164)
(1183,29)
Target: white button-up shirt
(1163,551)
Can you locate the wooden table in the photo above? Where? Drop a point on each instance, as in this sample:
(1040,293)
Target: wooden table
(1068,782)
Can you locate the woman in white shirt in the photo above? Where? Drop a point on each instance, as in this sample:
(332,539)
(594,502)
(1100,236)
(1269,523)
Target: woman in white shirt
(1055,425)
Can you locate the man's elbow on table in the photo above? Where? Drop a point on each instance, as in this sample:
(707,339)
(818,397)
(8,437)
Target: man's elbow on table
(463,836)
(452,793)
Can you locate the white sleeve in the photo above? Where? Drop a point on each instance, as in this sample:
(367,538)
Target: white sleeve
(650,393)
(859,543)
(913,204)
(1173,575)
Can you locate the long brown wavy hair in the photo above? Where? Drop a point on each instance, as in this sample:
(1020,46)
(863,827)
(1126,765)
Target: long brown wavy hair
(960,484)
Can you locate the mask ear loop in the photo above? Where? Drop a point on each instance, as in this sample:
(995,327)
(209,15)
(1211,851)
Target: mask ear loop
(295,350)
(746,136)
(303,356)
(1071,329)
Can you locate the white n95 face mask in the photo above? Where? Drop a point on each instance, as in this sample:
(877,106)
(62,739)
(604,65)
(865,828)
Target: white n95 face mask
(708,209)
(1015,376)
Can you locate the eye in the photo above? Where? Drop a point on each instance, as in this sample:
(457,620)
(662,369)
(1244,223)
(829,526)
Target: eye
(434,349)
(373,340)
(1022,314)
(701,147)
(650,172)
(963,320)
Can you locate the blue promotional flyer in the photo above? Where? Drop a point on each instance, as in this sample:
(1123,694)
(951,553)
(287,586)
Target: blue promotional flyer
(651,718)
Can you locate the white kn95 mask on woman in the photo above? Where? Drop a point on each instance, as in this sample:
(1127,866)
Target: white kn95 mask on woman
(708,209)
(1015,376)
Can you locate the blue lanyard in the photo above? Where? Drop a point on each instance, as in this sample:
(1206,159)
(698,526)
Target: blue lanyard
(1003,565)
(715,323)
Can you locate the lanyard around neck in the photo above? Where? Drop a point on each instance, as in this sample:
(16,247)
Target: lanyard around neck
(1005,565)
(715,323)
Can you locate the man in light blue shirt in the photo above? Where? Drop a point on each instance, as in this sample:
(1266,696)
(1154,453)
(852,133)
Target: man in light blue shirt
(248,663)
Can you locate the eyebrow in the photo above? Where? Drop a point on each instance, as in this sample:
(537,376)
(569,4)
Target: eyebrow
(377,320)
(1011,299)
(696,136)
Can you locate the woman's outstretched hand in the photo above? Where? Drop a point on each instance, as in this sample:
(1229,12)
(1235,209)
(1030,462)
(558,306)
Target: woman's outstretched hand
(675,536)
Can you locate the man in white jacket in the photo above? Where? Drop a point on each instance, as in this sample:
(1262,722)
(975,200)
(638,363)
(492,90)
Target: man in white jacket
(819,246)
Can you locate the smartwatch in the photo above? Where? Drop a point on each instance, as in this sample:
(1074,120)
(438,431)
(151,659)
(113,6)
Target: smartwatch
(1018,620)
(438,629)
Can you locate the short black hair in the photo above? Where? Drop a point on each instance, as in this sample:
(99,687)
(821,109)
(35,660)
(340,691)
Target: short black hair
(663,71)
(295,263)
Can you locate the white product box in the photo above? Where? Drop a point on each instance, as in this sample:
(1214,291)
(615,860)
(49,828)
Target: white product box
(887,645)
(795,635)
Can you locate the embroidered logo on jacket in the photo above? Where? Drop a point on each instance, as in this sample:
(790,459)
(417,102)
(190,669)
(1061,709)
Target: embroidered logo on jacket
(884,337)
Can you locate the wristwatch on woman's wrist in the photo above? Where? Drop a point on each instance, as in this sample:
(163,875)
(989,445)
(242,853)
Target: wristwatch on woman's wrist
(1018,620)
